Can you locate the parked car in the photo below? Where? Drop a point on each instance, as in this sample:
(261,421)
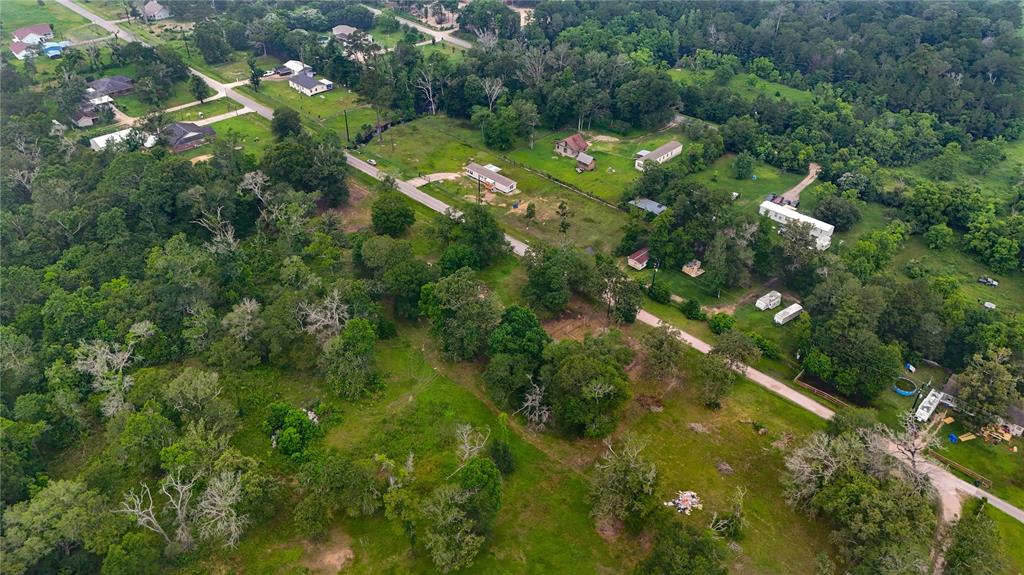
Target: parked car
(372,162)
(269,73)
(988,281)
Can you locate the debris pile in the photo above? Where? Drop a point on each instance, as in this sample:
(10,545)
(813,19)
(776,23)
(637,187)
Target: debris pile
(685,502)
(698,427)
(724,468)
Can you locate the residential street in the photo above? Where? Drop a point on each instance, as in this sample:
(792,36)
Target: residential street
(945,482)
(440,36)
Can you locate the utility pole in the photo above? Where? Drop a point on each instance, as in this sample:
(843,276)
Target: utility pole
(654,276)
(347,138)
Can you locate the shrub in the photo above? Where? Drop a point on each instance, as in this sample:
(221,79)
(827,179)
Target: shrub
(500,453)
(721,323)
(769,348)
(659,294)
(691,309)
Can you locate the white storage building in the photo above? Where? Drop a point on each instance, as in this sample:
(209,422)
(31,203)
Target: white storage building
(820,231)
(662,154)
(770,300)
(100,142)
(787,315)
(489,176)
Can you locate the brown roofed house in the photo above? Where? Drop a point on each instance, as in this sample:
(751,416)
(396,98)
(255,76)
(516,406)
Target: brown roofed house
(571,146)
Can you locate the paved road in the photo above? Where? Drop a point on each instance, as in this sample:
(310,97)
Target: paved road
(947,484)
(439,35)
(224,116)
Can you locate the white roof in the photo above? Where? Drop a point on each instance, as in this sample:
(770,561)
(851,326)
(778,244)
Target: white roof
(493,168)
(792,214)
(769,296)
(295,65)
(343,29)
(115,137)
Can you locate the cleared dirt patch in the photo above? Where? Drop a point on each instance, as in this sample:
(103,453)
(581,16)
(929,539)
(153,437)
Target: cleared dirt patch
(329,556)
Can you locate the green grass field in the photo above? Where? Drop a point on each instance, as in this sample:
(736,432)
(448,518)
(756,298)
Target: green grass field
(454,53)
(615,170)
(390,39)
(108,9)
(1012,536)
(252,128)
(998,183)
(769,180)
(131,105)
(324,111)
(207,109)
(20,13)
(746,85)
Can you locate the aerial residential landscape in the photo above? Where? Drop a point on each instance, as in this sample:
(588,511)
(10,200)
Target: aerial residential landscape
(512,286)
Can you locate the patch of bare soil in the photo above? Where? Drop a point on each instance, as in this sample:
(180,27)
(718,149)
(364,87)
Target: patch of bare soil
(355,213)
(603,138)
(698,428)
(577,321)
(609,529)
(544,207)
(650,403)
(202,158)
(329,556)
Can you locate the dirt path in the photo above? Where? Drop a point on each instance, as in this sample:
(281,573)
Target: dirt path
(439,176)
(793,194)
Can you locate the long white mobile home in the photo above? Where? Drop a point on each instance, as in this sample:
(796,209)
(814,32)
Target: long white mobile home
(785,316)
(820,231)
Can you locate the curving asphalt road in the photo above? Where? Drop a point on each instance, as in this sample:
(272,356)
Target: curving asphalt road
(948,485)
(436,34)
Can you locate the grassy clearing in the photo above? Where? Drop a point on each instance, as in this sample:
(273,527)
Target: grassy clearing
(1012,535)
(253,129)
(745,85)
(454,53)
(769,180)
(207,109)
(997,184)
(390,39)
(614,155)
(132,106)
(107,9)
(20,13)
(437,144)
(324,111)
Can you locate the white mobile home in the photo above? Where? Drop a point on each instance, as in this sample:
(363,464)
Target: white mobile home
(661,155)
(785,316)
(489,176)
(820,231)
(770,300)
(100,142)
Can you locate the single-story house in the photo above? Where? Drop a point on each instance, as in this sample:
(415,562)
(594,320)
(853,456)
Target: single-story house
(648,205)
(571,146)
(181,136)
(85,116)
(489,176)
(109,86)
(154,10)
(22,50)
(820,231)
(344,33)
(585,162)
(787,315)
(638,259)
(100,142)
(296,67)
(770,300)
(309,85)
(660,155)
(34,34)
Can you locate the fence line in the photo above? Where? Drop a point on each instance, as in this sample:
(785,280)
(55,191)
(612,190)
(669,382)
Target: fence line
(984,481)
(819,392)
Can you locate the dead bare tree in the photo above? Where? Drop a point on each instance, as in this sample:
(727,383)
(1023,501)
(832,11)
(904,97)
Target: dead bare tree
(911,442)
(471,442)
(426,83)
(493,87)
(534,67)
(223,239)
(243,321)
(106,363)
(326,318)
(179,501)
(537,413)
(488,39)
(139,506)
(255,184)
(216,513)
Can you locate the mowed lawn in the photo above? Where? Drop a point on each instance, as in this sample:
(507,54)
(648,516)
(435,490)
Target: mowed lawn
(207,109)
(108,9)
(253,130)
(615,170)
(131,105)
(325,111)
(437,144)
(66,24)
(454,53)
(752,191)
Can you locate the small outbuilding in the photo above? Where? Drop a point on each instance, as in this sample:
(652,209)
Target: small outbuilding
(648,205)
(789,314)
(638,259)
(585,162)
(770,300)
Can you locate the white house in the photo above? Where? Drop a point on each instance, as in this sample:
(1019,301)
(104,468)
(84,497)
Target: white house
(489,176)
(820,231)
(770,300)
(662,154)
(100,142)
(785,316)
(154,10)
(309,85)
(638,259)
(34,34)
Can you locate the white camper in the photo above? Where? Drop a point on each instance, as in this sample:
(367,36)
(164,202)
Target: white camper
(770,300)
(785,316)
